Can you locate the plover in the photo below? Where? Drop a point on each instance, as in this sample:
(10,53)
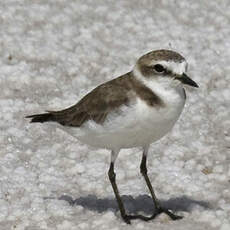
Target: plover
(133,110)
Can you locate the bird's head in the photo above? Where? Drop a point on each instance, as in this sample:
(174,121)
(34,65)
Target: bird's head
(164,66)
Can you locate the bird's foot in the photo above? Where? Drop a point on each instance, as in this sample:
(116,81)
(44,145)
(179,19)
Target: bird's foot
(169,213)
(128,218)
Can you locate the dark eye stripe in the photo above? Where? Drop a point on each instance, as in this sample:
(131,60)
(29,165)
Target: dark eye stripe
(150,70)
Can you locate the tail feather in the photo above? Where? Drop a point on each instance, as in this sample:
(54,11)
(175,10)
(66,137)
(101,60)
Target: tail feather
(44,117)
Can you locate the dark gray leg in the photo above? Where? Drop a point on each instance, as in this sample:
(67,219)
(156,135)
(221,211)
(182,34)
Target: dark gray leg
(112,178)
(159,209)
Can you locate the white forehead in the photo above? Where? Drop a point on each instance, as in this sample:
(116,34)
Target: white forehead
(175,67)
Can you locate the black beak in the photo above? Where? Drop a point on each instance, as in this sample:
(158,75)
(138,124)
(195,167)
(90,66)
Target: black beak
(186,80)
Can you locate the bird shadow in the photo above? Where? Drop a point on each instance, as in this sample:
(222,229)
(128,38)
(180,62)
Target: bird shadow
(141,203)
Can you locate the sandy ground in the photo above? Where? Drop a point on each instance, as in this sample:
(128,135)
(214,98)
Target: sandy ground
(53,52)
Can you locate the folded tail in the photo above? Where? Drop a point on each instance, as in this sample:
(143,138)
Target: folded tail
(44,117)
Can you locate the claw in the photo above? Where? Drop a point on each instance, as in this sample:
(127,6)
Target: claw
(169,213)
(127,218)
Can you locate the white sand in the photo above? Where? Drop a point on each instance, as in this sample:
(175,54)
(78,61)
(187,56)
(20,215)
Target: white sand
(53,52)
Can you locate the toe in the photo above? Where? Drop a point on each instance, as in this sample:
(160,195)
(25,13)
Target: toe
(126,218)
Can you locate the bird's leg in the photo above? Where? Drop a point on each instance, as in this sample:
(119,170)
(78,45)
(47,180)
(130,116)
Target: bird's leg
(144,172)
(112,178)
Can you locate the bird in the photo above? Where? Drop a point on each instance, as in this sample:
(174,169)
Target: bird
(135,109)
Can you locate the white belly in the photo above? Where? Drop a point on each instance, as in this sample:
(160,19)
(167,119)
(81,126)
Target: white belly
(132,126)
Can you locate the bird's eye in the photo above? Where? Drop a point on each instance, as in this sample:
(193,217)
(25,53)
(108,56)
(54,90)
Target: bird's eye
(159,68)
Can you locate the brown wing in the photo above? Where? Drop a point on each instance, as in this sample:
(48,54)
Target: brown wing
(97,104)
